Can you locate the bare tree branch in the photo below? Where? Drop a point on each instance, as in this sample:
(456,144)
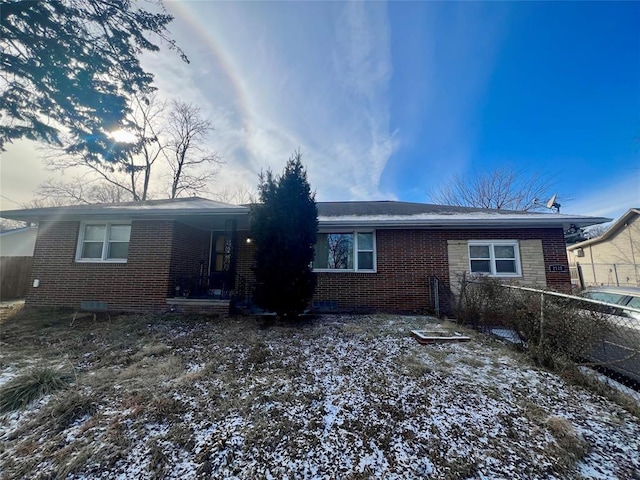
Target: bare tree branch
(239,196)
(132,173)
(504,188)
(81,191)
(188,131)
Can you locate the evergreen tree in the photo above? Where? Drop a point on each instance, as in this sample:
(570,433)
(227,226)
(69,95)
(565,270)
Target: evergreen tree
(284,226)
(70,66)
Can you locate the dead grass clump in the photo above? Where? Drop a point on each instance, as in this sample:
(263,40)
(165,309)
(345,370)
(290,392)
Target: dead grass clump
(157,459)
(258,355)
(572,447)
(68,409)
(152,371)
(150,351)
(600,387)
(163,408)
(24,389)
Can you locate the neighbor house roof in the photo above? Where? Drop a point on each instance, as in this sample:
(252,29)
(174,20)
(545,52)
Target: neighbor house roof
(19,242)
(609,232)
(392,214)
(388,214)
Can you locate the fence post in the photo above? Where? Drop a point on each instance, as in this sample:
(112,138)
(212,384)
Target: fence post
(580,276)
(541,317)
(615,272)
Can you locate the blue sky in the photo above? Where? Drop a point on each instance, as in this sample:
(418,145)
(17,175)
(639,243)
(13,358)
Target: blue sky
(390,100)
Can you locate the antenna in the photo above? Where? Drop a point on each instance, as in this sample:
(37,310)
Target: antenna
(550,204)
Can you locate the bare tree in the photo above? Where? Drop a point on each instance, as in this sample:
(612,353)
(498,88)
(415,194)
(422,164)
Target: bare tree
(131,173)
(82,191)
(178,135)
(241,195)
(504,188)
(192,164)
(595,231)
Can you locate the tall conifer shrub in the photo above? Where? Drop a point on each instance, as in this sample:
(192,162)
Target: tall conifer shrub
(284,226)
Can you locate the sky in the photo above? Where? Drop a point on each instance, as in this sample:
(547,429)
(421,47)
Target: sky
(388,101)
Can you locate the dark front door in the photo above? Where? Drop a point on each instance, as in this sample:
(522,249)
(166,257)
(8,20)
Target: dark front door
(222,264)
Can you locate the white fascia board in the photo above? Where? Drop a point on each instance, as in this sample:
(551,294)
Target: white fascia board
(458,222)
(121,213)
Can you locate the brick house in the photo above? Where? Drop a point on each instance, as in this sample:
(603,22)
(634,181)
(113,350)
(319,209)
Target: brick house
(195,253)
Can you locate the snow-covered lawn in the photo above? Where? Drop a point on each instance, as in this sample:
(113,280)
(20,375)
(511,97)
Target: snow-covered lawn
(338,397)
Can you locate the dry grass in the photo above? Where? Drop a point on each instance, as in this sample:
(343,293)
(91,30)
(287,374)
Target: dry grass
(338,397)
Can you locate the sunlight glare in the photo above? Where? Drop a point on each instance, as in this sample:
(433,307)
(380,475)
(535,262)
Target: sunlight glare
(123,136)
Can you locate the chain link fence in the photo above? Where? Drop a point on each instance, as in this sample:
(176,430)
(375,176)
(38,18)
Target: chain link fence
(561,332)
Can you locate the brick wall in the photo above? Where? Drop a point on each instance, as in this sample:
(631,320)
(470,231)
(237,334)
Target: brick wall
(244,262)
(140,284)
(159,251)
(406,258)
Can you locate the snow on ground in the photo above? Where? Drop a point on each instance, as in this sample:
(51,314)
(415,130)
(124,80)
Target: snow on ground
(338,397)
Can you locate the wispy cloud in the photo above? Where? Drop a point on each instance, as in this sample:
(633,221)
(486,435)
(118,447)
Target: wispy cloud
(320,85)
(611,200)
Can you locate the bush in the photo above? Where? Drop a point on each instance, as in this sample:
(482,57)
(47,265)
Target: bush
(483,303)
(567,333)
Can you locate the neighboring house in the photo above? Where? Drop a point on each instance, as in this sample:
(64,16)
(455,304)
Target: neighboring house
(16,258)
(19,242)
(613,258)
(182,253)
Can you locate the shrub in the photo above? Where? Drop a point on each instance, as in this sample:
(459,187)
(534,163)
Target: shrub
(567,333)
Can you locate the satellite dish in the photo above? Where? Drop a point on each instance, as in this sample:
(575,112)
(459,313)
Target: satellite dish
(553,204)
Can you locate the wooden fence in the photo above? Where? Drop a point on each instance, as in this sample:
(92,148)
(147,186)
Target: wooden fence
(15,276)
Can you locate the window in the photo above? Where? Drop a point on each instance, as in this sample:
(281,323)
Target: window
(352,251)
(103,242)
(499,258)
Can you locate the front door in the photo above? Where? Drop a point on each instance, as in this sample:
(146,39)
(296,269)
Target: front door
(222,260)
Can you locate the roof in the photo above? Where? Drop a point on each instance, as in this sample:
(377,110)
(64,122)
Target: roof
(149,208)
(609,232)
(387,214)
(19,231)
(19,242)
(392,214)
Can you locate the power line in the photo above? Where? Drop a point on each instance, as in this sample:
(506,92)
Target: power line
(13,201)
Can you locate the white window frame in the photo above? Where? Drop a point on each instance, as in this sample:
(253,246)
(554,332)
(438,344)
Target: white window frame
(492,258)
(105,243)
(355,268)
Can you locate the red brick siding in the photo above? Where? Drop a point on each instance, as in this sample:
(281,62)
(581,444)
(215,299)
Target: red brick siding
(554,249)
(161,251)
(140,284)
(405,258)
(244,262)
